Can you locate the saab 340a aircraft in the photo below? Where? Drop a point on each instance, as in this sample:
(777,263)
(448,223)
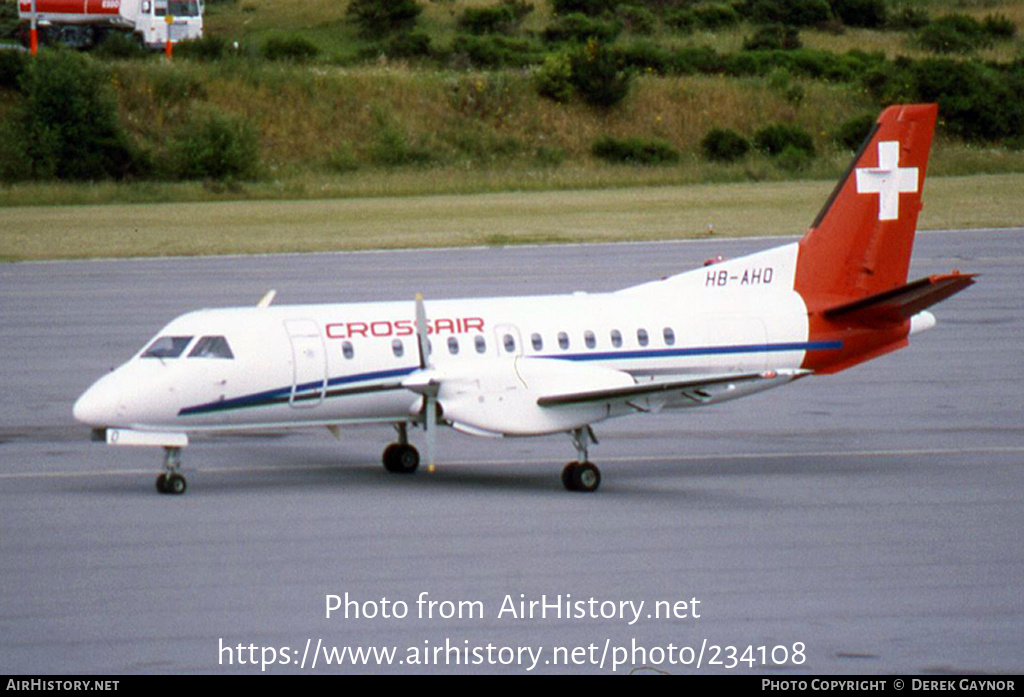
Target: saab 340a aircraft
(528,366)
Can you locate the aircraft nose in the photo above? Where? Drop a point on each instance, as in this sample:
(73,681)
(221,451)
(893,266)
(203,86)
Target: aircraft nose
(99,405)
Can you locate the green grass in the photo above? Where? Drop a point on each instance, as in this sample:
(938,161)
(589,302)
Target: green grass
(541,217)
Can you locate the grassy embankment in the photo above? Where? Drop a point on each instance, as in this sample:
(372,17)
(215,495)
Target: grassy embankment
(331,129)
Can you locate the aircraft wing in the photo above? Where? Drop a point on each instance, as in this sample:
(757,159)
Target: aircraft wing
(697,388)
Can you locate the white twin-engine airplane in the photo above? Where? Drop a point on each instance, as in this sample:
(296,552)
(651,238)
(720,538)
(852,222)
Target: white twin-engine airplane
(527,366)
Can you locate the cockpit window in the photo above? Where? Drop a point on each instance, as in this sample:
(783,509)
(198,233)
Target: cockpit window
(212,347)
(167,347)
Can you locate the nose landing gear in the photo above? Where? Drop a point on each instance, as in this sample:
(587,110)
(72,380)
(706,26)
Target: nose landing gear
(171,481)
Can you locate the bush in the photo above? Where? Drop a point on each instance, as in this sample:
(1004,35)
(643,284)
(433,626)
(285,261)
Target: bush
(587,7)
(297,49)
(413,44)
(724,145)
(580,28)
(851,134)
(776,138)
(12,65)
(870,14)
(66,126)
(714,15)
(554,78)
(638,20)
(999,27)
(121,45)
(378,18)
(634,151)
(774,37)
(208,48)
(907,18)
(213,145)
(597,75)
(496,51)
(954,34)
(797,13)
(503,18)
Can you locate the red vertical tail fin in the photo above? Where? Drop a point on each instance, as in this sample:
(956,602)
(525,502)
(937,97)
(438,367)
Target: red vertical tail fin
(860,243)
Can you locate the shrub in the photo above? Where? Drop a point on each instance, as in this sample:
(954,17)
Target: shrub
(554,78)
(66,126)
(714,15)
(503,18)
(798,13)
(776,138)
(297,49)
(953,34)
(977,102)
(378,18)
(773,37)
(906,18)
(208,48)
(638,20)
(214,145)
(634,151)
(587,7)
(681,20)
(647,55)
(999,27)
(496,51)
(870,14)
(580,28)
(12,65)
(121,45)
(597,75)
(412,44)
(724,145)
(851,134)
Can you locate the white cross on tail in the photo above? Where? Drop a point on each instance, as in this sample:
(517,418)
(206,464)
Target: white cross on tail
(888,180)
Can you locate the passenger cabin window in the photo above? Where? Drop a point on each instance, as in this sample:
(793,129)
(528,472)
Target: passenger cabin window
(211,347)
(670,336)
(538,342)
(453,346)
(397,348)
(480,343)
(616,338)
(167,347)
(510,343)
(589,339)
(563,340)
(346,350)
(641,337)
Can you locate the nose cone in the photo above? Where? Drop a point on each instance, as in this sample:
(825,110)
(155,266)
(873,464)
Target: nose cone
(99,406)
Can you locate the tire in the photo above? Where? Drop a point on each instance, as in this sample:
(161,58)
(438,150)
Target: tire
(586,477)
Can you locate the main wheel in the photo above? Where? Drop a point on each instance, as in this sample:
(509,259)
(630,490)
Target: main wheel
(569,475)
(161,483)
(401,459)
(586,477)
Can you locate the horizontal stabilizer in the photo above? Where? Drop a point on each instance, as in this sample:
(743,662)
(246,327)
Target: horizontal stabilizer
(894,306)
(646,389)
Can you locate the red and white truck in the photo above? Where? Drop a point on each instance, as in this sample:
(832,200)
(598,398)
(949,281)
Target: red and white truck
(84,23)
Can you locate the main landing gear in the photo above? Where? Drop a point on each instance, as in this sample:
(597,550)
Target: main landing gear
(581,475)
(400,457)
(171,481)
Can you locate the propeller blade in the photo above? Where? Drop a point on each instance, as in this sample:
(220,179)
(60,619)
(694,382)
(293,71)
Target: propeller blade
(421,332)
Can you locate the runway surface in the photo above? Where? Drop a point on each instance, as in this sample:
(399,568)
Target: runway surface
(868,522)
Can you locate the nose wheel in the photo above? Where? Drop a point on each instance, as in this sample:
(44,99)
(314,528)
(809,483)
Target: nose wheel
(171,481)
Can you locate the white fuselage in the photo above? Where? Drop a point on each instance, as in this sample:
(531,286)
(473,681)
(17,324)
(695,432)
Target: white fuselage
(346,363)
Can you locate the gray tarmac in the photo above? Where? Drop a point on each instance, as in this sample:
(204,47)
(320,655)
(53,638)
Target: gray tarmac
(868,522)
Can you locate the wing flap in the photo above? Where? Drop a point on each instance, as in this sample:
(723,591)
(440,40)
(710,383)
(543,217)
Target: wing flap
(647,389)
